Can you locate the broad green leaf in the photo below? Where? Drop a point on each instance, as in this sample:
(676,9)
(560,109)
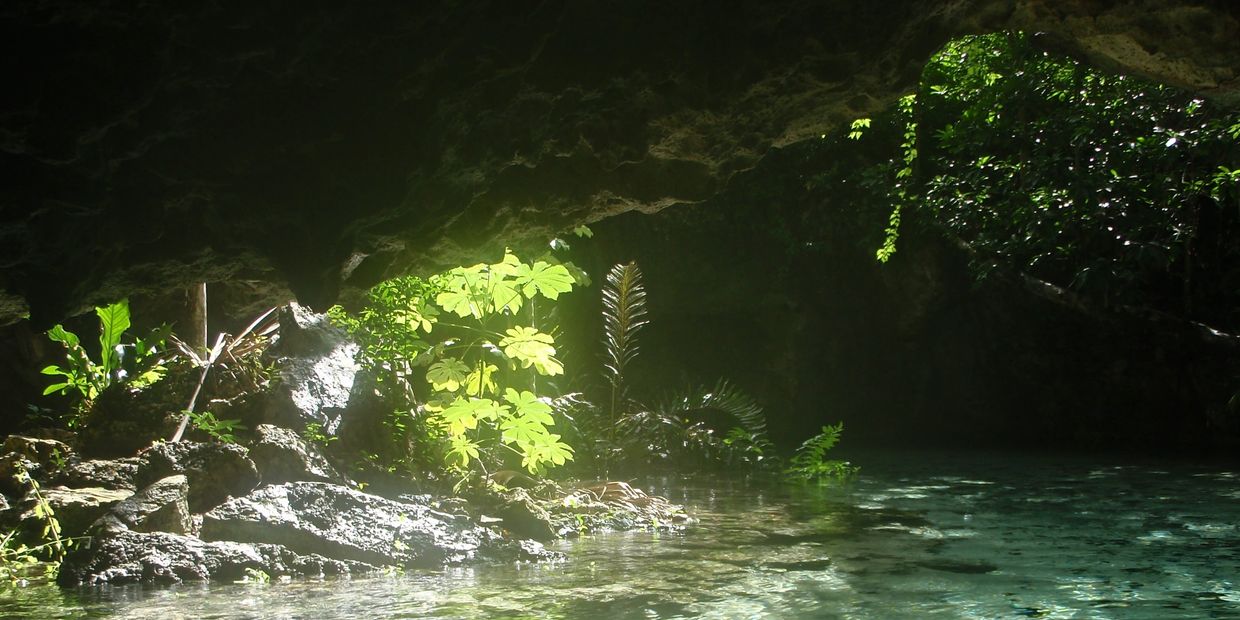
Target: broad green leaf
(63,336)
(531,347)
(462,450)
(55,387)
(447,374)
(545,278)
(464,414)
(480,382)
(507,267)
(461,303)
(583,231)
(504,294)
(527,405)
(113,321)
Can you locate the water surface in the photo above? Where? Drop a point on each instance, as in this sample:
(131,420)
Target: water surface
(915,536)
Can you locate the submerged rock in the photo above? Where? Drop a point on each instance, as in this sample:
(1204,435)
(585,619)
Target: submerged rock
(338,522)
(216,471)
(283,456)
(160,507)
(162,558)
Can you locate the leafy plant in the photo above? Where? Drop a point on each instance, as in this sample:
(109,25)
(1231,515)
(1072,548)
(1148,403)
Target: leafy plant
(221,430)
(624,314)
(460,356)
(810,462)
(85,378)
(17,559)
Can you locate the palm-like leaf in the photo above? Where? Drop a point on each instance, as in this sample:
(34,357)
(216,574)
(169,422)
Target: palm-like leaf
(724,399)
(624,314)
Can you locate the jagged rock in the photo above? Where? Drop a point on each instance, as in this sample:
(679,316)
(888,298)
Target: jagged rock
(160,507)
(162,558)
(75,509)
(106,473)
(283,456)
(316,370)
(524,517)
(216,471)
(38,457)
(338,522)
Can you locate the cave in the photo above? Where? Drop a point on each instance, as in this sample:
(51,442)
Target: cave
(307,154)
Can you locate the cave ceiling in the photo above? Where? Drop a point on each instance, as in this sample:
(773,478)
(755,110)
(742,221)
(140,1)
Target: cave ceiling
(313,149)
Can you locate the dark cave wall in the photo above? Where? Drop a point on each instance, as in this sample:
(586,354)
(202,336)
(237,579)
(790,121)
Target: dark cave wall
(794,309)
(314,150)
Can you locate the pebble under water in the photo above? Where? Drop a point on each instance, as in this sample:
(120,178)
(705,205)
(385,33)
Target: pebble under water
(914,536)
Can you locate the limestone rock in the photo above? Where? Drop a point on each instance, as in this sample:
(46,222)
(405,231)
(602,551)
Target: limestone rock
(216,471)
(338,522)
(75,509)
(283,456)
(524,517)
(161,558)
(316,368)
(106,473)
(38,457)
(161,507)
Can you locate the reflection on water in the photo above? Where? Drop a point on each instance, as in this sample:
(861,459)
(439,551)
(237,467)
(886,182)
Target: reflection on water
(915,536)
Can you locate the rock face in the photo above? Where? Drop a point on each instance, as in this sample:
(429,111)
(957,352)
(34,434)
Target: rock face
(215,471)
(106,473)
(161,558)
(75,509)
(160,507)
(282,456)
(317,367)
(334,521)
(319,151)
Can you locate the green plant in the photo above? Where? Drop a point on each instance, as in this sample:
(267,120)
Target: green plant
(221,430)
(810,462)
(17,559)
(256,576)
(624,314)
(84,378)
(315,434)
(460,356)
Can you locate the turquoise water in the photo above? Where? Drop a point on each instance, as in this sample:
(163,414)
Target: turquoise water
(915,536)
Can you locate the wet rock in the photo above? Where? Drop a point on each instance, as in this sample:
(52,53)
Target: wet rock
(216,471)
(75,509)
(160,507)
(524,517)
(162,558)
(283,456)
(317,368)
(38,457)
(338,522)
(106,473)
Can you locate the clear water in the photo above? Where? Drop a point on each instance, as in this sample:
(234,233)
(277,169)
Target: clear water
(916,536)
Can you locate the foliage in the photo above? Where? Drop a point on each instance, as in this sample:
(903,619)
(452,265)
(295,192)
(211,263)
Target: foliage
(460,356)
(624,314)
(137,363)
(1119,189)
(809,462)
(220,430)
(16,558)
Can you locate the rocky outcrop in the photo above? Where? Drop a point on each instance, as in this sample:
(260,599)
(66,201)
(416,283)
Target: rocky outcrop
(160,507)
(282,456)
(215,471)
(162,558)
(21,456)
(315,152)
(334,521)
(75,509)
(316,370)
(106,473)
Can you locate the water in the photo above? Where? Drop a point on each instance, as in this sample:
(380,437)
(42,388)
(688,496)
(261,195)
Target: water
(916,536)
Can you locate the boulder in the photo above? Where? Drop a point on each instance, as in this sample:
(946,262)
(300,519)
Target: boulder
(283,456)
(524,517)
(339,522)
(106,473)
(160,507)
(38,457)
(317,366)
(216,471)
(162,558)
(75,509)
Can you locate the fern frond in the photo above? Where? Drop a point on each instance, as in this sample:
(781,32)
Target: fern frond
(624,314)
(722,399)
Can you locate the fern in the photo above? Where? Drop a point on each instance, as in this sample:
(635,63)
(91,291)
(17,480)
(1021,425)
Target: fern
(624,314)
(809,462)
(724,398)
